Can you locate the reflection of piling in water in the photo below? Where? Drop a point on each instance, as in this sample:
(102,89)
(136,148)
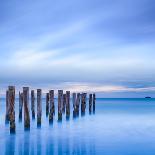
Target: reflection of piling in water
(67,104)
(33,104)
(74,104)
(78,103)
(90,103)
(60,102)
(64,103)
(26,107)
(20,105)
(47,104)
(52,108)
(94,99)
(7,107)
(83,103)
(39,107)
(11,97)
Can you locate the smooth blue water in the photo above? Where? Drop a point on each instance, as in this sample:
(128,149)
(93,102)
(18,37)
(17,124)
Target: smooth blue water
(119,127)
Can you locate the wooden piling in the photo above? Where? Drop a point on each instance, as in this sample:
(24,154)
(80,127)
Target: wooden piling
(26,107)
(47,104)
(52,107)
(90,103)
(11,100)
(64,103)
(77,103)
(20,105)
(94,100)
(74,104)
(33,104)
(83,103)
(67,104)
(39,106)
(60,102)
(7,108)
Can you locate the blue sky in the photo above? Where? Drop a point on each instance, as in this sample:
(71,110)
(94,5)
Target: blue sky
(104,46)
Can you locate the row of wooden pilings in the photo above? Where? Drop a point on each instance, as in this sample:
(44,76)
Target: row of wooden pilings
(63,105)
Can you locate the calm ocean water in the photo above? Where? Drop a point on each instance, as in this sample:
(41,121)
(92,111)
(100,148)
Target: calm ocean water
(119,127)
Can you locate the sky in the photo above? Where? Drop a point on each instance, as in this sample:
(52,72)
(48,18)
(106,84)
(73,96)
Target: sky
(102,46)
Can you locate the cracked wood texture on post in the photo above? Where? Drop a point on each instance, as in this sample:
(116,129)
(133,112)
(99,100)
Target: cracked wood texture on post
(64,103)
(20,105)
(90,103)
(26,107)
(39,106)
(47,104)
(11,96)
(51,106)
(7,117)
(83,102)
(67,104)
(33,103)
(60,102)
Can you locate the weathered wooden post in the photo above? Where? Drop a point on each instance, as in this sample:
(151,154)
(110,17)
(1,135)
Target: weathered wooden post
(33,104)
(60,102)
(47,104)
(52,107)
(83,104)
(74,104)
(90,103)
(64,103)
(11,94)
(26,107)
(7,107)
(94,99)
(67,104)
(78,103)
(39,107)
(20,105)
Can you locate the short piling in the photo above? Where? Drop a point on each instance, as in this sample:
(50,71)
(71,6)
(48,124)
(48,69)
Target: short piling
(47,104)
(20,106)
(83,103)
(64,103)
(60,102)
(11,96)
(26,108)
(33,104)
(67,104)
(51,107)
(77,103)
(90,103)
(7,107)
(39,107)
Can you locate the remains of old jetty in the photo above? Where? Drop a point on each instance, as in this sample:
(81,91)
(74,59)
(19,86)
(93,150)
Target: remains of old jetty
(78,100)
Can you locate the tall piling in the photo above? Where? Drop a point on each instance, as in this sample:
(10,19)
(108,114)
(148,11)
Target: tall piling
(74,104)
(33,104)
(77,103)
(26,107)
(94,100)
(20,106)
(90,103)
(64,103)
(47,104)
(51,107)
(67,104)
(7,107)
(39,107)
(60,102)
(11,96)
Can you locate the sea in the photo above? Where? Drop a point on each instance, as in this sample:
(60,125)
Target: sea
(118,127)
